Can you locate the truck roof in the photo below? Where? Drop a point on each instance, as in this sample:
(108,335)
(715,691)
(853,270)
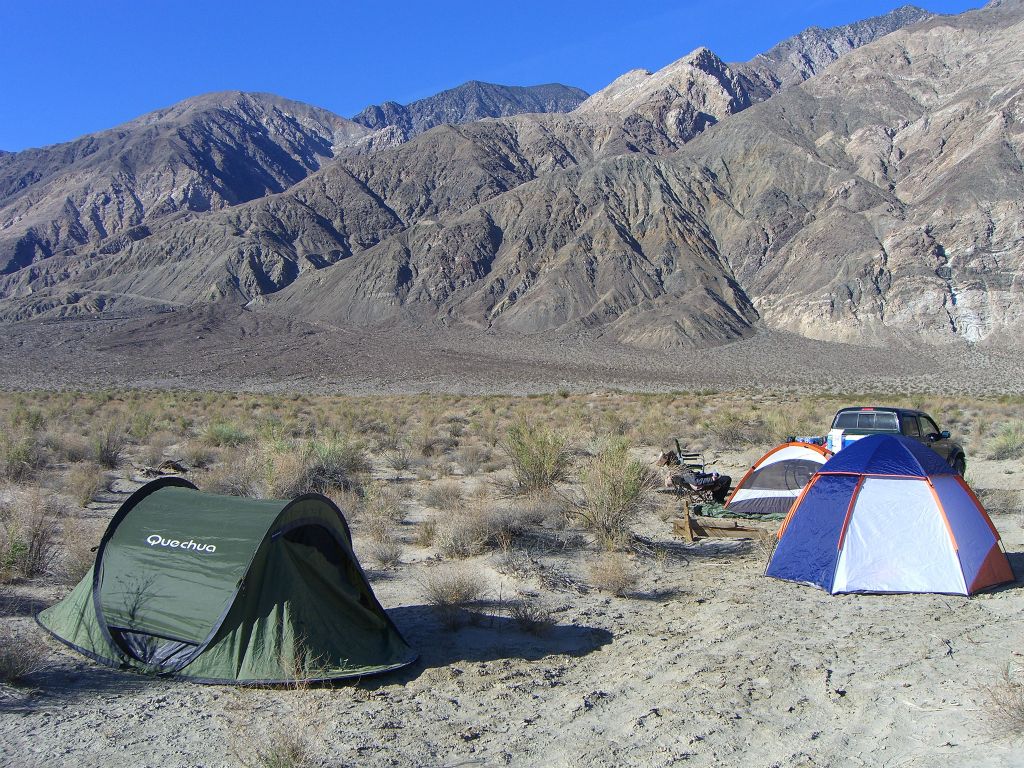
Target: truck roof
(885,408)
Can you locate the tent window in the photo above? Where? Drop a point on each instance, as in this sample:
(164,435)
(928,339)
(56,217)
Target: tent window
(782,475)
(320,539)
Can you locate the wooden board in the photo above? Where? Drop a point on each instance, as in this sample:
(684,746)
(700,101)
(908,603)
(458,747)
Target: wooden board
(691,528)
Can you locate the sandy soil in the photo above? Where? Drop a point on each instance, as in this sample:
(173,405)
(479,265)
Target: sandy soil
(706,662)
(226,348)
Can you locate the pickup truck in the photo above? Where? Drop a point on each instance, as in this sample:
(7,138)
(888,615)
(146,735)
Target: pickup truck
(852,423)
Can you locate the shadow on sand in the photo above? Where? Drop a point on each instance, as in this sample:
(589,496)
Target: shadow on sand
(61,684)
(486,638)
(1017,564)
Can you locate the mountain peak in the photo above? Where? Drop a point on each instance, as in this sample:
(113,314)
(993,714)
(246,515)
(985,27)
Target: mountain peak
(471,101)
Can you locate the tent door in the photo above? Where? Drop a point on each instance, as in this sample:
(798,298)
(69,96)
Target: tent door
(151,649)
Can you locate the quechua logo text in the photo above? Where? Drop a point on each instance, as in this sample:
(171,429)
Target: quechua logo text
(155,540)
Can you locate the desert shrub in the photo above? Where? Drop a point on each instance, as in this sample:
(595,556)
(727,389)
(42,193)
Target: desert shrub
(385,552)
(539,456)
(532,616)
(335,464)
(197,456)
(1008,442)
(156,447)
(80,539)
(732,428)
(69,447)
(381,512)
(425,533)
(472,457)
(21,654)
(997,501)
(85,481)
(108,445)
(463,535)
(22,454)
(451,592)
(142,424)
(29,528)
(446,496)
(612,572)
(239,473)
(398,458)
(224,434)
(615,488)
(1004,704)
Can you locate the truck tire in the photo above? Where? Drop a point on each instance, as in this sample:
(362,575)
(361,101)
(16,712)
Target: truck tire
(960,465)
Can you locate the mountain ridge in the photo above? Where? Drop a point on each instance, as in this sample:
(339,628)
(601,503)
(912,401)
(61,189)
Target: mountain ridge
(659,215)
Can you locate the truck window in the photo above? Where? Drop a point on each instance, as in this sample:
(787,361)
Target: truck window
(909,426)
(874,421)
(928,426)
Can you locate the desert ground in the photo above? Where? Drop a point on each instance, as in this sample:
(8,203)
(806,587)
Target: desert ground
(571,646)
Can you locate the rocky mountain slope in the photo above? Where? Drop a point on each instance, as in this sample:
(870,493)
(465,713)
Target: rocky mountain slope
(874,199)
(878,199)
(202,154)
(467,103)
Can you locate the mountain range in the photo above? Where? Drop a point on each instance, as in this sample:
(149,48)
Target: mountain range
(857,184)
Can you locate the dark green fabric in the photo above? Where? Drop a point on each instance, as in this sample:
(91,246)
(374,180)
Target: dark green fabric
(713,509)
(280,596)
(177,592)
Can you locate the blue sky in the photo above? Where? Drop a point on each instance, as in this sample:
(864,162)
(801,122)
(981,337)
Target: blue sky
(69,68)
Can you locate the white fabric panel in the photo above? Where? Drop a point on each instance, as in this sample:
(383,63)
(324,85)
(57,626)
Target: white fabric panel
(897,541)
(746,493)
(792,452)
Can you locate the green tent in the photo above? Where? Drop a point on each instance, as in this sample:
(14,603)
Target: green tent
(228,590)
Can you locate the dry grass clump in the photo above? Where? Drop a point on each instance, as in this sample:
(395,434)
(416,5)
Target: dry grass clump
(426,532)
(480,526)
(197,456)
(539,456)
(85,481)
(1004,704)
(156,448)
(615,488)
(472,458)
(451,592)
(22,654)
(612,572)
(29,530)
(398,458)
(22,455)
(239,473)
(532,616)
(445,496)
(69,447)
(332,464)
(80,539)
(386,552)
(1008,442)
(381,512)
(224,434)
(108,446)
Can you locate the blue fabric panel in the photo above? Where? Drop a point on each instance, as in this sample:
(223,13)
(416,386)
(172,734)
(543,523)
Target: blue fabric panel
(809,548)
(974,538)
(888,455)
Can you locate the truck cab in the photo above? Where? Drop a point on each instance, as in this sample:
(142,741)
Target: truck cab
(851,424)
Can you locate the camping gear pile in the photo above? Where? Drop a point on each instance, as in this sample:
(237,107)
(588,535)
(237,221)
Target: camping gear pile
(688,476)
(228,590)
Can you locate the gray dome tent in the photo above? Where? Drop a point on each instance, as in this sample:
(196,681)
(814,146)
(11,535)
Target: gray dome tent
(228,590)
